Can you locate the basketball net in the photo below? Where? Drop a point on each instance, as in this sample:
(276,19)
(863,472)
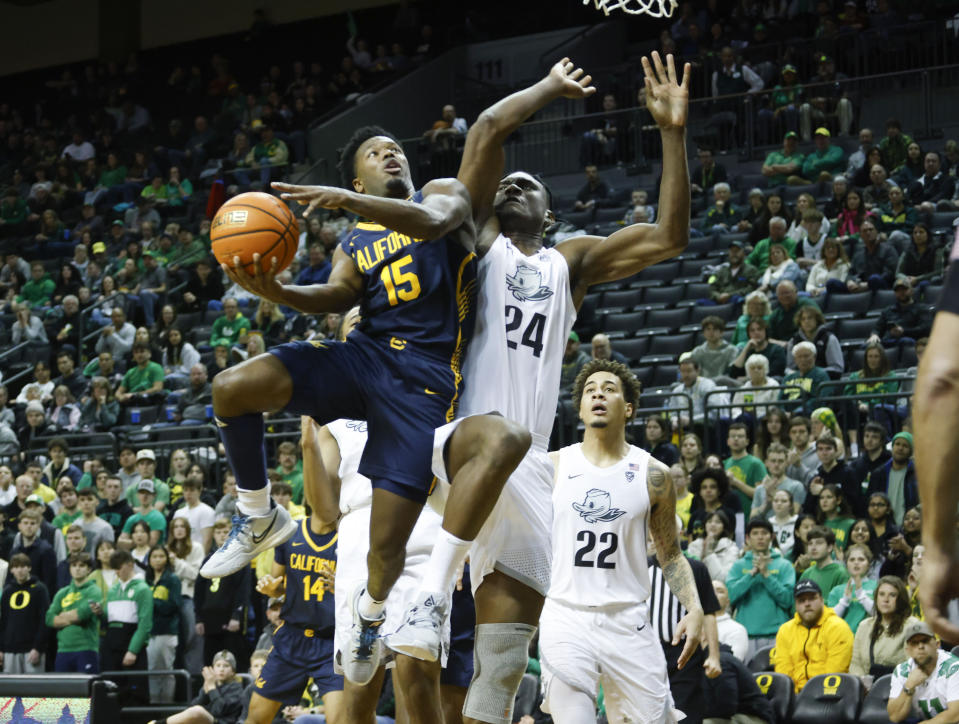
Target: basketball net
(653,8)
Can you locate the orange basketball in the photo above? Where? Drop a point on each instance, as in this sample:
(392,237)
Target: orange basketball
(254,223)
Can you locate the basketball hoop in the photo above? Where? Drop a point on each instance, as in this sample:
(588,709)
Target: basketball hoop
(653,8)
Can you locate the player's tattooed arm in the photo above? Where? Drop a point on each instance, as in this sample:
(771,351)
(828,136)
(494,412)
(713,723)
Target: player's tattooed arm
(676,569)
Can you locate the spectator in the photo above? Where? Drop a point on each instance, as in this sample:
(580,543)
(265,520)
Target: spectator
(716,546)
(72,614)
(897,477)
(834,264)
(715,354)
(782,167)
(814,232)
(756,306)
(710,487)
(874,262)
(802,460)
(165,631)
(270,323)
(143,383)
(802,386)
(773,208)
(784,519)
(760,586)
(23,633)
(731,633)
(754,213)
(448,130)
(894,146)
(226,507)
(731,78)
(707,174)
(834,513)
(722,216)
(65,414)
(876,194)
(932,187)
(68,509)
(318,270)
(290,469)
(831,470)
(194,401)
(782,321)
(659,435)
(95,529)
(810,327)
(640,211)
(117,337)
(925,684)
(28,328)
(602,144)
(734,278)
(921,261)
(114,509)
(758,344)
(824,570)
(875,377)
(204,286)
(734,696)
(853,601)
(830,100)
(65,324)
(151,286)
(879,643)
(905,321)
(595,192)
(146,467)
(101,411)
(857,159)
(781,268)
(696,387)
(147,512)
(745,471)
(684,496)
(221,698)
(70,376)
(178,357)
(128,628)
(816,641)
(128,472)
(873,455)
(232,327)
(59,464)
(37,292)
(186,559)
(573,360)
(221,611)
(199,514)
(43,559)
(41,389)
(775,480)
(691,454)
(825,161)
(748,401)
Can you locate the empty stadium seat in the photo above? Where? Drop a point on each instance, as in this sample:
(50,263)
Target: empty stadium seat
(627,322)
(874,705)
(828,699)
(760,660)
(670,319)
(692,269)
(697,290)
(700,246)
(726,312)
(663,295)
(779,689)
(883,298)
(671,344)
(907,358)
(644,375)
(855,328)
(656,274)
(578,219)
(857,303)
(665,376)
(623,299)
(943,219)
(608,216)
(932,293)
(632,349)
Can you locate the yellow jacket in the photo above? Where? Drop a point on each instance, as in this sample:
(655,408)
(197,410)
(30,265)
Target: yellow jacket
(802,653)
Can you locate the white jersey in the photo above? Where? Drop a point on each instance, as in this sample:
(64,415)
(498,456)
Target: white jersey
(355,490)
(934,694)
(600,517)
(524,315)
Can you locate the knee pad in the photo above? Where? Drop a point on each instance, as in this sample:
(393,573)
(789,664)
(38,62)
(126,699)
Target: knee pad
(500,657)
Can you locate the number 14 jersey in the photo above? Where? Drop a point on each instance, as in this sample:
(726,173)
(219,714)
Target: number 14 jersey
(524,315)
(600,517)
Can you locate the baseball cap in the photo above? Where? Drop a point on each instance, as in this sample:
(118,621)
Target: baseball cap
(118,223)
(917,628)
(738,242)
(573,337)
(146,485)
(146,454)
(789,68)
(902,281)
(35,498)
(35,406)
(790,134)
(806,586)
(822,131)
(99,247)
(226,656)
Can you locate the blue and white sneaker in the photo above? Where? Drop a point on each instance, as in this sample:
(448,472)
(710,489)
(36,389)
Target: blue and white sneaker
(249,537)
(363,654)
(420,634)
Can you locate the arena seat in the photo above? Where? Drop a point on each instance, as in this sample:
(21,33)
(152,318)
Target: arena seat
(627,322)
(669,319)
(633,348)
(760,660)
(828,699)
(656,274)
(931,294)
(725,312)
(692,269)
(882,298)
(943,219)
(874,705)
(608,216)
(855,328)
(700,246)
(663,295)
(697,290)
(644,375)
(671,344)
(577,219)
(665,376)
(622,299)
(857,303)
(778,689)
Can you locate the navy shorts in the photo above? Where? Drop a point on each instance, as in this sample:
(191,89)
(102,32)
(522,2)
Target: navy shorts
(402,394)
(293,660)
(459,664)
(80,662)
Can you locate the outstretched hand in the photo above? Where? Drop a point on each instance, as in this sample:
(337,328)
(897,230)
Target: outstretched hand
(326,197)
(690,626)
(938,586)
(263,284)
(572,81)
(667,99)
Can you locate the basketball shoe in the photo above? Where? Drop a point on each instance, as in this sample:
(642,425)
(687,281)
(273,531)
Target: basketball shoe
(364,651)
(249,537)
(420,634)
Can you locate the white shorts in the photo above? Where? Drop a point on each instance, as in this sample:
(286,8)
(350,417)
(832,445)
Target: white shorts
(353,544)
(515,540)
(616,647)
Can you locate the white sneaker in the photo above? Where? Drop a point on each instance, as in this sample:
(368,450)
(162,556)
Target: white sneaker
(248,538)
(363,655)
(419,636)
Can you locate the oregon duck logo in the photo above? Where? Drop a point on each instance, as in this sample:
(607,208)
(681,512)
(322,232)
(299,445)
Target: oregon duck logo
(597,507)
(526,284)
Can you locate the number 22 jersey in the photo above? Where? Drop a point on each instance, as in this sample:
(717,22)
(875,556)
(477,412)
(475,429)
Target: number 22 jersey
(524,315)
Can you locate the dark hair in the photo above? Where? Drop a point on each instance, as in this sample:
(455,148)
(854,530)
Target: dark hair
(739,426)
(799,545)
(884,365)
(20,560)
(120,558)
(821,531)
(82,557)
(759,523)
(192,484)
(717,474)
(282,488)
(58,442)
(713,321)
(665,424)
(150,575)
(763,437)
(873,542)
(86,493)
(139,524)
(842,507)
(181,548)
(141,346)
(347,162)
(728,531)
(96,551)
(900,614)
(627,380)
(894,123)
(876,428)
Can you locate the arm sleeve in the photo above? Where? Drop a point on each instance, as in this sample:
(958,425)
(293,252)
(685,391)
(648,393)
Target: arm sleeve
(144,600)
(739,581)
(781,655)
(780,587)
(754,81)
(859,665)
(55,607)
(895,686)
(839,647)
(739,642)
(93,595)
(43,601)
(834,358)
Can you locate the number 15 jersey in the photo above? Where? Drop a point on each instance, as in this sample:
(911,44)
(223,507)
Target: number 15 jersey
(600,517)
(524,315)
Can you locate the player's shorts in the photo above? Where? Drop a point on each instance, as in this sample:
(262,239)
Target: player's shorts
(515,539)
(353,544)
(459,666)
(403,395)
(616,647)
(296,656)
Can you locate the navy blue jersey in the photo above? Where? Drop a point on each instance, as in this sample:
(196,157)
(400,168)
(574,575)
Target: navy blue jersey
(307,603)
(415,291)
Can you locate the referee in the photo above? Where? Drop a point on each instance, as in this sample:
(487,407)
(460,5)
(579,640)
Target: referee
(935,416)
(665,613)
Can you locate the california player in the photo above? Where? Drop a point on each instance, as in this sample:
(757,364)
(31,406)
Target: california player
(303,570)
(527,301)
(605,495)
(412,269)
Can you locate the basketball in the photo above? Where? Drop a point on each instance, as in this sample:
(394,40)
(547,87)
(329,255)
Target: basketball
(254,223)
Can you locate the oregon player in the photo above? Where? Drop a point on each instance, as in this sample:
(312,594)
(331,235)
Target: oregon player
(303,571)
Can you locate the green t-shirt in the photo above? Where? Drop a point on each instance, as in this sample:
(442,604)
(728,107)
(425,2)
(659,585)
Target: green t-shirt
(140,379)
(65,520)
(295,479)
(855,613)
(162,494)
(85,634)
(751,471)
(841,527)
(828,577)
(759,256)
(778,158)
(37,293)
(225,331)
(795,383)
(154,519)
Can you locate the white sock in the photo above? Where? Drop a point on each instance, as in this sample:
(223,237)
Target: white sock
(368,607)
(853,450)
(255,503)
(448,553)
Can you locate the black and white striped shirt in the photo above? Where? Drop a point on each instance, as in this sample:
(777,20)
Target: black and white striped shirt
(665,610)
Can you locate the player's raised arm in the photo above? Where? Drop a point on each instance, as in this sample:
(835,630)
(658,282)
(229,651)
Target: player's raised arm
(321,485)
(676,569)
(593,259)
(483,156)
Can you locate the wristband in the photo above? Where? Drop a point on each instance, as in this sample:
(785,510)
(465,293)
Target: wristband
(949,300)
